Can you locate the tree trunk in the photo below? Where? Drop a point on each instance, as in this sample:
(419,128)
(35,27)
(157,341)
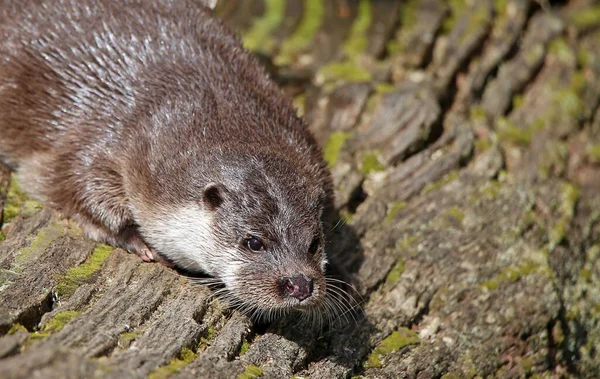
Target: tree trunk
(464,141)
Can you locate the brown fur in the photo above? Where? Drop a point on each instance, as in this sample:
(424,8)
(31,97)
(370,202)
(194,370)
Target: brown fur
(110,110)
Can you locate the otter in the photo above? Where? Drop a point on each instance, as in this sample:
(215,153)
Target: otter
(149,124)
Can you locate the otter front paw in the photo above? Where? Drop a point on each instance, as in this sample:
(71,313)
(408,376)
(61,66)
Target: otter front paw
(127,238)
(130,239)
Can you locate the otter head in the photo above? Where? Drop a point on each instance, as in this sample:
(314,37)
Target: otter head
(255,224)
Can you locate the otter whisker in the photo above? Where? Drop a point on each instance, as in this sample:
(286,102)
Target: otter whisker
(341,299)
(350,311)
(339,283)
(333,283)
(344,296)
(340,307)
(340,222)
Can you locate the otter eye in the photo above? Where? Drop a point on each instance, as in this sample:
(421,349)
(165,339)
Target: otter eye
(254,244)
(314,246)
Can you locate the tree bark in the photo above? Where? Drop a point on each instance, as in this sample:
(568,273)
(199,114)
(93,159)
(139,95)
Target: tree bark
(464,142)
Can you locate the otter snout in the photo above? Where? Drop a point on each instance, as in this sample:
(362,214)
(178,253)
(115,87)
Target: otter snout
(299,287)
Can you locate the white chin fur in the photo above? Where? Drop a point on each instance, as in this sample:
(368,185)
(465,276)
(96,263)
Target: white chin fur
(184,235)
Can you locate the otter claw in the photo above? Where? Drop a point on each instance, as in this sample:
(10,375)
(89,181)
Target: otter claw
(146,255)
(130,240)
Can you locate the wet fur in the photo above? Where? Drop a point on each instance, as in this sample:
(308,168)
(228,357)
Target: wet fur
(120,113)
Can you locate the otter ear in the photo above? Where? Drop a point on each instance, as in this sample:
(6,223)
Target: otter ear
(213,195)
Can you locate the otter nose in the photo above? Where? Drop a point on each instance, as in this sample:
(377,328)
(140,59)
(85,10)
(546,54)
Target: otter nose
(299,287)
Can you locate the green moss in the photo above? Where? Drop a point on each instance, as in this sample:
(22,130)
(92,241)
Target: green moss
(510,275)
(595,310)
(372,103)
(508,132)
(569,103)
(457,9)
(477,18)
(30,207)
(312,19)
(346,215)
(10,212)
(593,252)
(205,341)
(584,57)
(17,202)
(586,17)
(405,246)
(482,144)
(586,274)
(37,336)
(501,7)
(526,268)
(490,189)
(396,46)
(75,276)
(554,159)
(578,82)
(517,101)
(491,284)
(558,334)
(357,41)
(544,375)
(125,339)
(185,357)
(259,38)
(17,327)
(561,50)
(347,71)
(538,124)
(334,146)
(393,343)
(245,347)
(54,325)
(451,375)
(350,70)
(454,213)
(408,14)
(382,88)
(373,361)
(393,209)
(251,372)
(42,240)
(529,219)
(569,197)
(478,113)
(59,321)
(2,236)
(451,176)
(370,163)
(210,333)
(526,364)
(393,277)
(534,54)
(300,104)
(408,19)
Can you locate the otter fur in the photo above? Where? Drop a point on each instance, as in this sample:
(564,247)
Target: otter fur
(150,125)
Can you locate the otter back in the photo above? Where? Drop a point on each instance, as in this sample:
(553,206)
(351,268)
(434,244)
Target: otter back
(142,119)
